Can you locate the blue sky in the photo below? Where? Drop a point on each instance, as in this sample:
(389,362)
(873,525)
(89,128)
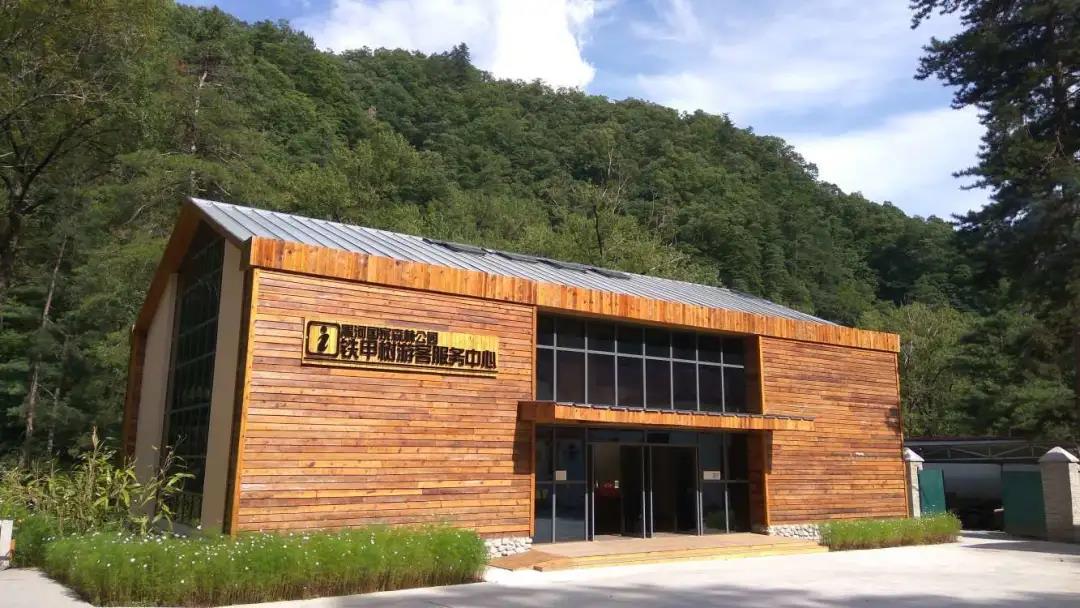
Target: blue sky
(833,77)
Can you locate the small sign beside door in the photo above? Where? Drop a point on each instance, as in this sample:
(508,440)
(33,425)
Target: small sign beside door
(713,475)
(560,475)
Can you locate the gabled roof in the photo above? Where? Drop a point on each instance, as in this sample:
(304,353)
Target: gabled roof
(242,223)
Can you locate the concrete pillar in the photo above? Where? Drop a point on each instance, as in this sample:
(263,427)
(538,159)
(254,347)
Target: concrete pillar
(1061,495)
(913,464)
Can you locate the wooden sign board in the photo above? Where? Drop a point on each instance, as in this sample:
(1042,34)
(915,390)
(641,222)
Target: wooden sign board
(348,344)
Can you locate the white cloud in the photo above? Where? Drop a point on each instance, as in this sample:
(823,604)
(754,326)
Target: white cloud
(908,159)
(521,39)
(816,73)
(678,24)
(793,58)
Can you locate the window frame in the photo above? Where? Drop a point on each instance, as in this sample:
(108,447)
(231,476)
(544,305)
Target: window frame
(200,274)
(551,350)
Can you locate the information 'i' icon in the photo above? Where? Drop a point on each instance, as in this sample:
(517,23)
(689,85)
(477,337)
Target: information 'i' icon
(322,338)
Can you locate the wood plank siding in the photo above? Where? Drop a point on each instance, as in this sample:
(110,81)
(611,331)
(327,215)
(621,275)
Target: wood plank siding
(330,447)
(850,465)
(315,446)
(320,261)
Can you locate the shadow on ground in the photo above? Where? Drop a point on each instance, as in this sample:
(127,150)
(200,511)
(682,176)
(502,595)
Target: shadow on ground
(1031,545)
(962,575)
(497,596)
(1004,542)
(982,571)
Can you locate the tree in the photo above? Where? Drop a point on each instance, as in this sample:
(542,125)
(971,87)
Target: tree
(1014,384)
(931,387)
(1018,62)
(68,66)
(156,101)
(34,391)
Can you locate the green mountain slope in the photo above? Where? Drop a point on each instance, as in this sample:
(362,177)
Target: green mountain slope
(200,103)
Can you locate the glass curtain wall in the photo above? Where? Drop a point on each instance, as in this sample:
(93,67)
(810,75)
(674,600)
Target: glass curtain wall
(560,484)
(599,363)
(191,373)
(725,486)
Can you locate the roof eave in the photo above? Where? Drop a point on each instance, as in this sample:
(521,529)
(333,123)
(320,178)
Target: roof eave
(187,223)
(313,260)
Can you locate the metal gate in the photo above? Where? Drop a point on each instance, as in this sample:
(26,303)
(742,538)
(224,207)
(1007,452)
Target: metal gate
(931,491)
(1022,500)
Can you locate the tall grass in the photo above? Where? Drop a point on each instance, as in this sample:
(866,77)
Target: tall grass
(117,569)
(91,526)
(876,533)
(99,492)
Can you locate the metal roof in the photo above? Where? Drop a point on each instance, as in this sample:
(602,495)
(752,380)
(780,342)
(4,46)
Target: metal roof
(243,223)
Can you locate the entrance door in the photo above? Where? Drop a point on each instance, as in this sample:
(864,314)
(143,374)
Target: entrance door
(607,490)
(633,489)
(618,486)
(673,490)
(640,490)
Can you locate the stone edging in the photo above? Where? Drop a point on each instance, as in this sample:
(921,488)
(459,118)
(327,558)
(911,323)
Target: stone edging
(509,545)
(807,531)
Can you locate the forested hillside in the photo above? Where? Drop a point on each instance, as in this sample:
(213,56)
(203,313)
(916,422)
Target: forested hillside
(117,110)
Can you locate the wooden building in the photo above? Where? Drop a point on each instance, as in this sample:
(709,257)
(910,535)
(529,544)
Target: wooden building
(313,374)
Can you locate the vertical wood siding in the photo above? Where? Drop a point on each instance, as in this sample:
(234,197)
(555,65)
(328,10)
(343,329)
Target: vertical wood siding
(332,447)
(850,465)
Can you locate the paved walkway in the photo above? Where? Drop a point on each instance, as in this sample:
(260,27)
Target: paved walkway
(20,588)
(982,571)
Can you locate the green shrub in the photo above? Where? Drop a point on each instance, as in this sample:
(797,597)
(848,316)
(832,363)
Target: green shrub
(98,492)
(875,533)
(32,534)
(119,569)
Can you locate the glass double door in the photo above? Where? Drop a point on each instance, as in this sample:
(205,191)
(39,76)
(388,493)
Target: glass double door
(598,482)
(642,490)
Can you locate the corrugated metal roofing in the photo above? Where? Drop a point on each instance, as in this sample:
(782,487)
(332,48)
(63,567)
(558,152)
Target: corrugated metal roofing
(245,222)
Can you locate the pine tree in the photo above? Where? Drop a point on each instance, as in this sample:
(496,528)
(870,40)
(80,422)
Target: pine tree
(1018,63)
